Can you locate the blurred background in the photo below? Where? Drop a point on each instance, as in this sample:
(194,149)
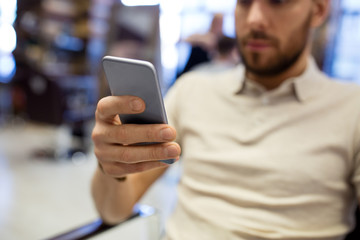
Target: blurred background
(51,80)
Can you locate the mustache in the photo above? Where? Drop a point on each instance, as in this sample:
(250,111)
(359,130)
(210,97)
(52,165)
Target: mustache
(259,35)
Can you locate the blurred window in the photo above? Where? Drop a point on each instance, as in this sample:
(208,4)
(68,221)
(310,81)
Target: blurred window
(343,54)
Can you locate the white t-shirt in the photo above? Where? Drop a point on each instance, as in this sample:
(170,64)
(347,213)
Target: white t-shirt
(257,164)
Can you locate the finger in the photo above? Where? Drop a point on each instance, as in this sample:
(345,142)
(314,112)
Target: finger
(122,169)
(135,154)
(109,107)
(132,133)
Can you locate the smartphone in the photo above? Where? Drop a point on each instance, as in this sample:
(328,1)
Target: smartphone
(137,78)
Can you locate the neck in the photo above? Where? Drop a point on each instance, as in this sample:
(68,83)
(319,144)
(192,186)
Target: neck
(274,81)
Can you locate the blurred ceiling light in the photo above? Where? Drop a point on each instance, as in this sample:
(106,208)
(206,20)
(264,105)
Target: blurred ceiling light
(8,39)
(132,3)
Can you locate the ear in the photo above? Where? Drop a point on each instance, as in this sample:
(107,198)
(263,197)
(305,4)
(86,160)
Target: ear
(321,10)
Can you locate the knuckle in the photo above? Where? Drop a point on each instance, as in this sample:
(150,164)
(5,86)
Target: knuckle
(99,135)
(99,154)
(100,109)
(155,152)
(122,133)
(96,135)
(150,134)
(125,155)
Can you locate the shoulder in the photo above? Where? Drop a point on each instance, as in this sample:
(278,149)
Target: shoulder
(343,98)
(338,88)
(202,81)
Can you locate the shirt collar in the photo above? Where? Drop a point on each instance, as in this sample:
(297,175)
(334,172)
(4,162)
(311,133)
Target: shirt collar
(304,86)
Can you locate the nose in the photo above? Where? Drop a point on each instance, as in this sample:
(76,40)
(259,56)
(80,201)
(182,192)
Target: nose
(256,17)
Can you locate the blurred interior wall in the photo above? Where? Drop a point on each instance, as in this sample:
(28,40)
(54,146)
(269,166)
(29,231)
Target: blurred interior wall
(60,46)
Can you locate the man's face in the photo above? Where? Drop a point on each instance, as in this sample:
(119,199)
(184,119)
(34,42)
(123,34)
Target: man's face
(272,34)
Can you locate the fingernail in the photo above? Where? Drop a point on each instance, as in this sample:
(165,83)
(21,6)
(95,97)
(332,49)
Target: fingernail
(168,161)
(171,151)
(166,134)
(136,105)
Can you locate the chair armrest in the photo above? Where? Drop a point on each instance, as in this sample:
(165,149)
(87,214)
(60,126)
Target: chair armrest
(98,226)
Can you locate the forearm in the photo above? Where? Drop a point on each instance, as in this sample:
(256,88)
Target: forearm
(114,200)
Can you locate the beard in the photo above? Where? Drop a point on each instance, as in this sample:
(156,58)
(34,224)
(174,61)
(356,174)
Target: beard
(281,60)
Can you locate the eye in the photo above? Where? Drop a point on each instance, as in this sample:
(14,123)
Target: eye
(245,2)
(278,2)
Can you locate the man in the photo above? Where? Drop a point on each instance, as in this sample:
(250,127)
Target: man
(270,151)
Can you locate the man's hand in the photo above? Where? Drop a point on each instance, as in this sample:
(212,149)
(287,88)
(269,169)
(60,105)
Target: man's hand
(117,145)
